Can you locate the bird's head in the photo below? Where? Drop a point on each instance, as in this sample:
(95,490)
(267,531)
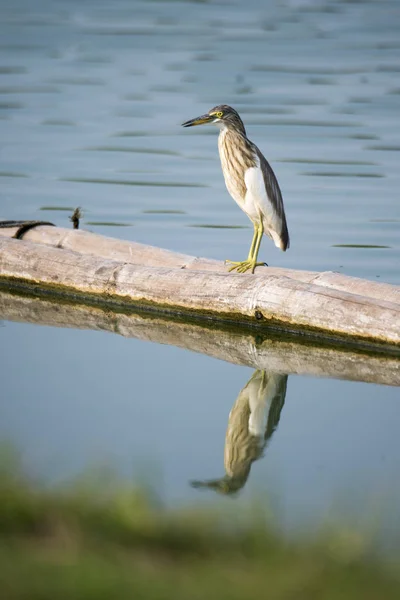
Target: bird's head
(222,115)
(226,486)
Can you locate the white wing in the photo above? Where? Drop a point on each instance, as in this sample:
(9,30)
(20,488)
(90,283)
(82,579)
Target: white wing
(264,200)
(264,388)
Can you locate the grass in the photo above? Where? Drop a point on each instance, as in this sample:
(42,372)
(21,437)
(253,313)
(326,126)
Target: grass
(109,541)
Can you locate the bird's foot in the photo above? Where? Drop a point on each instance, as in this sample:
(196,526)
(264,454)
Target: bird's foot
(243,266)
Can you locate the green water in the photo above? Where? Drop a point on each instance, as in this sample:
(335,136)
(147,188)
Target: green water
(92,96)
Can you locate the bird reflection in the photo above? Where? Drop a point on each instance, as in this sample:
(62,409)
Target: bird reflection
(252,421)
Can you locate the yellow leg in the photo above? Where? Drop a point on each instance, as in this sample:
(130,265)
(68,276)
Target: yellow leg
(251,262)
(253,242)
(258,242)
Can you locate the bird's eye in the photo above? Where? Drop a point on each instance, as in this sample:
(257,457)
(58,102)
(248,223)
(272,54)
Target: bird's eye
(219,114)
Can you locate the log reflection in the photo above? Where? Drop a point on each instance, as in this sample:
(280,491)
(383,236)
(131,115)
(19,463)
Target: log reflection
(252,421)
(280,354)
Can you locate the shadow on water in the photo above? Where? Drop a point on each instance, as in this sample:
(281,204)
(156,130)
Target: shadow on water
(358,246)
(318,161)
(384,148)
(134,150)
(10,105)
(59,208)
(131,134)
(252,421)
(12,70)
(108,224)
(59,122)
(32,89)
(76,81)
(307,70)
(342,174)
(12,174)
(214,226)
(165,211)
(131,182)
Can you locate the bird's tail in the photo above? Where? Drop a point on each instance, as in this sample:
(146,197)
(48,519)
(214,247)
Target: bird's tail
(281,239)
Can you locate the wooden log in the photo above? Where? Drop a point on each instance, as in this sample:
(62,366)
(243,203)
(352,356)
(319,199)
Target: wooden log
(93,244)
(283,356)
(313,304)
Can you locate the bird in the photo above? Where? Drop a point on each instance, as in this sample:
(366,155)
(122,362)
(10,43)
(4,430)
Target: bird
(252,421)
(250,181)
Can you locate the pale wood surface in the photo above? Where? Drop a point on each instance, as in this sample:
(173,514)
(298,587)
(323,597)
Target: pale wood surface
(327,304)
(281,356)
(93,244)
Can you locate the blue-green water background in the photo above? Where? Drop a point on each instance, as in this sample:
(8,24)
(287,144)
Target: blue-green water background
(92,95)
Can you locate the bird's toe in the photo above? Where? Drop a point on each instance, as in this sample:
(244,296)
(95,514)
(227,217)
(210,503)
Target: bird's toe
(243,266)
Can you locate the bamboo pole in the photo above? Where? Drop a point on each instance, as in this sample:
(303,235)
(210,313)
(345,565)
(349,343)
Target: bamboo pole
(322,305)
(281,356)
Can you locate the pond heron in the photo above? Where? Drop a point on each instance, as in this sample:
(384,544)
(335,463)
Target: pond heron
(250,181)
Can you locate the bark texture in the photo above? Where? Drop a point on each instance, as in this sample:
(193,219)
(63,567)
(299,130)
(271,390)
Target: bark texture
(78,263)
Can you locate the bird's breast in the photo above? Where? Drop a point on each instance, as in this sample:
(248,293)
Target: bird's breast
(233,167)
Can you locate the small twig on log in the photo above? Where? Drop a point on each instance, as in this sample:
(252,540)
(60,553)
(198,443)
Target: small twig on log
(75,218)
(23,226)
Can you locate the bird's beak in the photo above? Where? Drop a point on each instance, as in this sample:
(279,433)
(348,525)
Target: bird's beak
(199,121)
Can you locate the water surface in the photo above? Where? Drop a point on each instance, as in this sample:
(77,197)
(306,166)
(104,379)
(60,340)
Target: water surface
(91,100)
